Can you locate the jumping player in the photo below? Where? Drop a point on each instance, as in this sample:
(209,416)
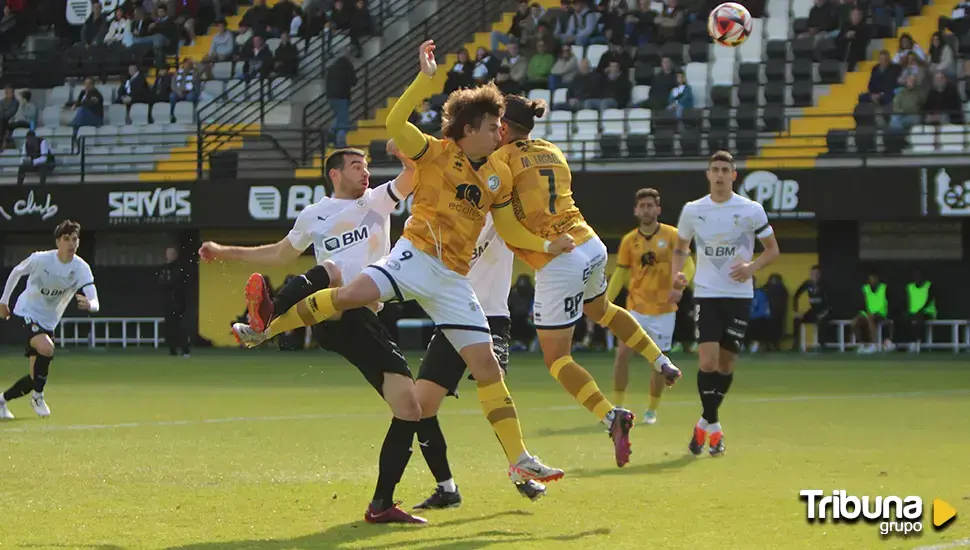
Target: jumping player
(644,267)
(53,278)
(569,285)
(723,225)
(458,185)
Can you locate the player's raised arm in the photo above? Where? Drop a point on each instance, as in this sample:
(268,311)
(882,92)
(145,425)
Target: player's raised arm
(280,253)
(403,184)
(22,269)
(409,139)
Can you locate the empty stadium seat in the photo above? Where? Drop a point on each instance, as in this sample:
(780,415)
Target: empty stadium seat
(837,142)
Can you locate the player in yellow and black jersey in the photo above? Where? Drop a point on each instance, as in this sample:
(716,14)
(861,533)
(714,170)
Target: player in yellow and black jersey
(569,285)
(644,267)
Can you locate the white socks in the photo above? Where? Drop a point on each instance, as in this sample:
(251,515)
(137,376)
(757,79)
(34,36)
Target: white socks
(708,427)
(448,485)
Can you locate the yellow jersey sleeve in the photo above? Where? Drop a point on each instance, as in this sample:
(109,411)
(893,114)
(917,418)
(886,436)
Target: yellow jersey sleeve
(620,278)
(625,256)
(410,140)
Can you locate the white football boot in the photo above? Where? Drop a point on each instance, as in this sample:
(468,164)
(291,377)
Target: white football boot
(39,405)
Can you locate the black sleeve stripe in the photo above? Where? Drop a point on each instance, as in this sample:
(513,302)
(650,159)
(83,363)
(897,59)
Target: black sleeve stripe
(502,204)
(390,191)
(762,228)
(427,145)
(80,288)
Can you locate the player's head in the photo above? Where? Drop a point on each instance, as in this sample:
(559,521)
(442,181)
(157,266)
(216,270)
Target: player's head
(67,235)
(347,170)
(816,273)
(873,277)
(171,254)
(472,118)
(520,117)
(647,206)
(721,172)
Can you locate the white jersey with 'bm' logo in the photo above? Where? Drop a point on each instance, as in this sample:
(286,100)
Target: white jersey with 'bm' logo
(51,285)
(353,233)
(724,234)
(491,271)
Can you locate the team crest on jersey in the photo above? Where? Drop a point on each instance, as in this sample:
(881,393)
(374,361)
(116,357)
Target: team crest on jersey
(494,182)
(392,264)
(361,203)
(661,244)
(34,328)
(736,218)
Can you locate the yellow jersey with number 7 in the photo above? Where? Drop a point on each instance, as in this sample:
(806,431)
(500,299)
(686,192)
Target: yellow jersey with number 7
(542,195)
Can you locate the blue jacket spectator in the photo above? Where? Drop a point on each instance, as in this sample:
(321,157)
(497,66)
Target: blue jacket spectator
(883,82)
(759,305)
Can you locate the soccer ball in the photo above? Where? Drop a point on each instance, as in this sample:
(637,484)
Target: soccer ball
(730,24)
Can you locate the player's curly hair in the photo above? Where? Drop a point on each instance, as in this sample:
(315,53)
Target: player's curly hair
(521,113)
(67,227)
(468,106)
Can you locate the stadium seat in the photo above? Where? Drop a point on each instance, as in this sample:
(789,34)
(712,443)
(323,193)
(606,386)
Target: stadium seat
(749,72)
(719,118)
(692,119)
(776,70)
(952,138)
(639,95)
(560,125)
(649,53)
(699,52)
(690,143)
(643,72)
(560,96)
(830,71)
(639,121)
(865,114)
(749,93)
(747,116)
(837,142)
(777,50)
(922,139)
(721,96)
(894,141)
(722,72)
(542,94)
(664,119)
(752,51)
(865,140)
(774,118)
(663,142)
(585,136)
(718,140)
(673,50)
(697,32)
(803,69)
(594,52)
(803,48)
(775,93)
(746,143)
(803,93)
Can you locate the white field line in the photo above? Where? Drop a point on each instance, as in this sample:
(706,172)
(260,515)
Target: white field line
(961,543)
(459,412)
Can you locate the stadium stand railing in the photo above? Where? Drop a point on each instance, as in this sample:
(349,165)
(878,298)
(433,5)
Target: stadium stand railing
(105,331)
(957,340)
(450,26)
(244,102)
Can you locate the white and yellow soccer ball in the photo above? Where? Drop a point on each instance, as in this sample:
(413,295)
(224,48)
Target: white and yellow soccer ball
(730,24)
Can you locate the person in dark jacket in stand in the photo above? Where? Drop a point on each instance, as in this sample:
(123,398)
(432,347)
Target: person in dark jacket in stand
(173,282)
(341,78)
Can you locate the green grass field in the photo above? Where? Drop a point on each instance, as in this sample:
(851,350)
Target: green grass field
(269,450)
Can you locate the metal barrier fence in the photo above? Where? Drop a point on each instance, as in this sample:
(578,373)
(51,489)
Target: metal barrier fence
(104,331)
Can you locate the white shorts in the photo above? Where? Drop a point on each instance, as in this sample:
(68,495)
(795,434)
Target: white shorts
(447,297)
(659,327)
(567,282)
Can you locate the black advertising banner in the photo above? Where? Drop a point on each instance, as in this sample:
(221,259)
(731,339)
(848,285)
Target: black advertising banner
(606,199)
(945,191)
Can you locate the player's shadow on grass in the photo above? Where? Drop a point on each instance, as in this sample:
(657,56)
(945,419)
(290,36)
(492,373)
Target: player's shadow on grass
(424,537)
(575,430)
(646,468)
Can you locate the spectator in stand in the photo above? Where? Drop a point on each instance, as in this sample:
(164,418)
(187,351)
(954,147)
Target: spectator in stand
(119,31)
(486,66)
(258,19)
(561,20)
(281,15)
(186,12)
(540,67)
(639,24)
(844,12)
(671,24)
(26,116)
(911,67)
(222,48)
(882,82)
(425,118)
(941,57)
(316,20)
(160,34)
(852,42)
(565,68)
(287,57)
(613,20)
(95,26)
(187,87)
(681,96)
(943,102)
(585,91)
(908,105)
(664,81)
(515,31)
(581,26)
(906,46)
(10,35)
(616,53)
(515,62)
(257,59)
(958,23)
(89,107)
(617,88)
(341,77)
(533,29)
(8,108)
(342,19)
(134,90)
(461,73)
(139,25)
(363,23)
(506,83)
(35,156)
(822,19)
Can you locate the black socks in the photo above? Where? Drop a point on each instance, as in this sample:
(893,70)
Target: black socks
(712,387)
(395,454)
(42,366)
(434,448)
(20,388)
(300,287)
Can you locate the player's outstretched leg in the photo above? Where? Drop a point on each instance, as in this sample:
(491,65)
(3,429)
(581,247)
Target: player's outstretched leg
(262,308)
(19,388)
(626,328)
(396,451)
(657,384)
(41,350)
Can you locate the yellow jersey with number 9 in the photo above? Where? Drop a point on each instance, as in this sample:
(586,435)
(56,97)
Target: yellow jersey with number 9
(542,195)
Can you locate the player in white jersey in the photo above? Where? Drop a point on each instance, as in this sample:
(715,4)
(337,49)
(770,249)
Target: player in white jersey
(723,226)
(54,277)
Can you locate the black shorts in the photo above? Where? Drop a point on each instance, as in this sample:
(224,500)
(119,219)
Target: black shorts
(722,320)
(29,329)
(444,366)
(361,339)
(815,316)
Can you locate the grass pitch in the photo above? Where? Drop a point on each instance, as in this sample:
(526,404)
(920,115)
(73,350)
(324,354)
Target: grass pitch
(268,450)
